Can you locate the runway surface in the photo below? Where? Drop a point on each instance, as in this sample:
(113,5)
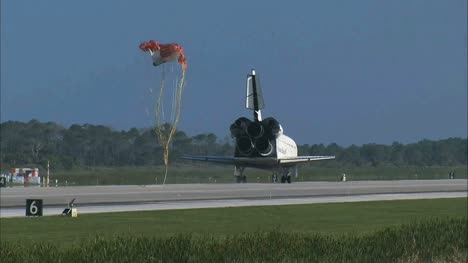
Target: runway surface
(95,199)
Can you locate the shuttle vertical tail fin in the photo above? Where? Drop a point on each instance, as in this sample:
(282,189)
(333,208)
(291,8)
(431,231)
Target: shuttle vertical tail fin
(254,99)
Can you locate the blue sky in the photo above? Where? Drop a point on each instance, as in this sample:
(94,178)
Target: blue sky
(349,72)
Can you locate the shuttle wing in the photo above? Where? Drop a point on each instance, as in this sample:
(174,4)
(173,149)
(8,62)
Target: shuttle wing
(258,161)
(246,161)
(302,159)
(211,159)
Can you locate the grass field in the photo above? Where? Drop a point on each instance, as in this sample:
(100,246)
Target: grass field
(204,173)
(382,231)
(337,218)
(431,240)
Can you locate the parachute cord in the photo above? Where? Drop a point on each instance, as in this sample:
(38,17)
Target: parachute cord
(180,88)
(176,121)
(159,132)
(173,106)
(166,141)
(159,103)
(166,164)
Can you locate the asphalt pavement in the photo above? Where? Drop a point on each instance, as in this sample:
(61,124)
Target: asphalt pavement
(95,199)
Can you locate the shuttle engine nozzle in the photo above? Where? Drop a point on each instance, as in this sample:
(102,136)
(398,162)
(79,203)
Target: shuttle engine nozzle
(272,127)
(255,130)
(239,127)
(244,145)
(264,146)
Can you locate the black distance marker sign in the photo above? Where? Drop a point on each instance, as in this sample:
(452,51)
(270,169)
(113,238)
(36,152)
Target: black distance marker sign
(33,207)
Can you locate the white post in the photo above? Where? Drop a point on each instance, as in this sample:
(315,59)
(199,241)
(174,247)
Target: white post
(48,174)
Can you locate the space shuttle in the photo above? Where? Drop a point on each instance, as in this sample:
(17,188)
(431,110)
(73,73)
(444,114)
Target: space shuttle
(261,143)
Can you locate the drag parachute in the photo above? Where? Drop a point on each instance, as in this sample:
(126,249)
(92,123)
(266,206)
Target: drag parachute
(161,54)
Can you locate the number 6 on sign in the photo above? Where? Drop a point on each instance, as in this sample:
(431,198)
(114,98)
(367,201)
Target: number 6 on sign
(33,207)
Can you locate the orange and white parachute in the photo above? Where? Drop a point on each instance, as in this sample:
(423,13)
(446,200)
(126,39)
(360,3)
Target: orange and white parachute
(162,53)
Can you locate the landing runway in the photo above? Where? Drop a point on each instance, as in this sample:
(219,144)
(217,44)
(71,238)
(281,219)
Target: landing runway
(95,199)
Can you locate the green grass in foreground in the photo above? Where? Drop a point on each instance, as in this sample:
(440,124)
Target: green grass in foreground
(337,218)
(430,240)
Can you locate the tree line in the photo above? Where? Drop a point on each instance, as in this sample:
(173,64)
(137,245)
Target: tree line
(88,145)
